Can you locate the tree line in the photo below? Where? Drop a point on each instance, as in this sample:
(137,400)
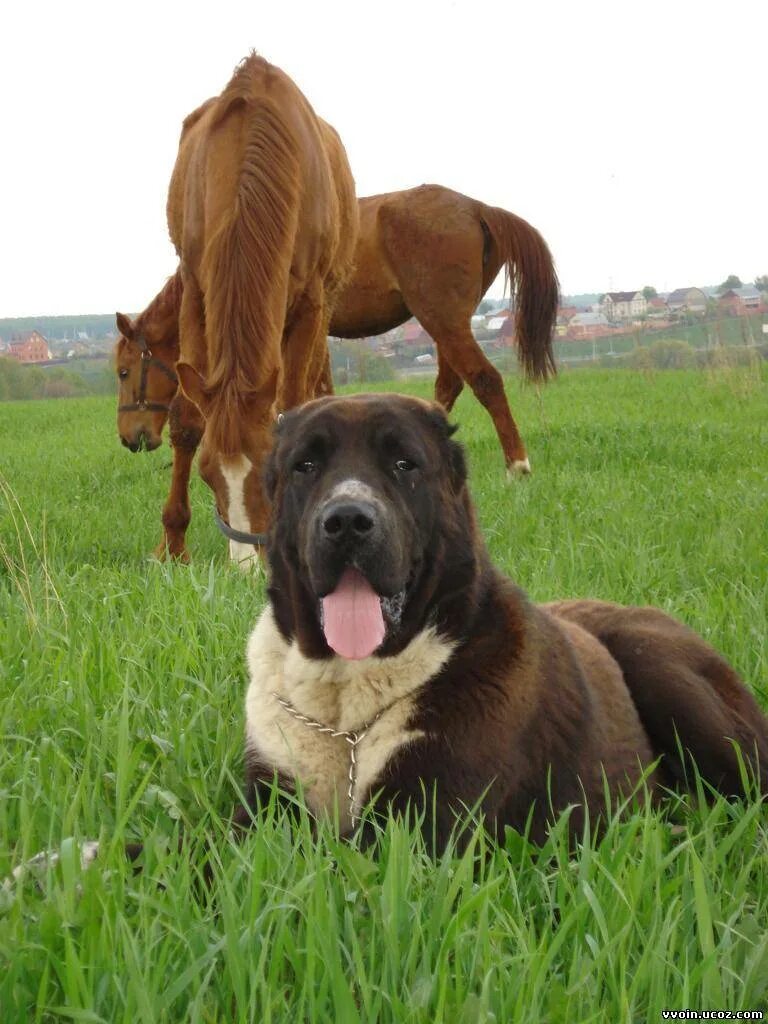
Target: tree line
(29,382)
(95,325)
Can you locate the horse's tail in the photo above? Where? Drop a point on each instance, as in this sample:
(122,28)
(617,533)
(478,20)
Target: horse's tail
(534,288)
(247,264)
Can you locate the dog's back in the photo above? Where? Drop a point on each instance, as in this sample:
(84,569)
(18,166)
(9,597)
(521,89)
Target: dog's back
(689,699)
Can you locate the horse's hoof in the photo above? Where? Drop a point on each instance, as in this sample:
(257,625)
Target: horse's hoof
(164,554)
(520,467)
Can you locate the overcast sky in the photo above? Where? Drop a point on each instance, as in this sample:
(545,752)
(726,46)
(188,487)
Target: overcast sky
(632,135)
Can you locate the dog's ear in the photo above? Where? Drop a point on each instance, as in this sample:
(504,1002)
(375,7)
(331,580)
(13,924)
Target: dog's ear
(439,420)
(270,473)
(458,464)
(269,476)
(453,452)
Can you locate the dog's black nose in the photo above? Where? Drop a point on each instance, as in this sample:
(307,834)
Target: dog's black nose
(345,520)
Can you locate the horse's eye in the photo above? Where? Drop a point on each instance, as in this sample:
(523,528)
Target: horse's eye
(405,466)
(306,466)
(122,374)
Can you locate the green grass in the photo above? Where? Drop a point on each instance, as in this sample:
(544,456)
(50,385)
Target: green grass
(122,683)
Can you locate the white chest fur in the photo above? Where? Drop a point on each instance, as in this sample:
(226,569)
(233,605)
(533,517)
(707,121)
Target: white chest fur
(343,695)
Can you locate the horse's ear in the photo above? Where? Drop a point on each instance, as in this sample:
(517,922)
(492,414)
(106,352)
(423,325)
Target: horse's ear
(124,325)
(193,385)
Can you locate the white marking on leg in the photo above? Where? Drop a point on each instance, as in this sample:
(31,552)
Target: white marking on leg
(520,467)
(234,472)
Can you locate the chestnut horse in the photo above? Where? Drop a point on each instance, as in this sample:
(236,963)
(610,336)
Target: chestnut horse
(262,212)
(148,394)
(433,253)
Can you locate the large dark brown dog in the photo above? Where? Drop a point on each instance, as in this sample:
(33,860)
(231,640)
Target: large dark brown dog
(393,658)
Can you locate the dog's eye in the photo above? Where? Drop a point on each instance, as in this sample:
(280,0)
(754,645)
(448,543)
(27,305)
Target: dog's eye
(122,374)
(305,466)
(405,466)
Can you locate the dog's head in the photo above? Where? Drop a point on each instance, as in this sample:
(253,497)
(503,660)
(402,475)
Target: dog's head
(372,532)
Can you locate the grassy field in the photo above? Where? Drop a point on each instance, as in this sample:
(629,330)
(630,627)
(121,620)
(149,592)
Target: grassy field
(120,718)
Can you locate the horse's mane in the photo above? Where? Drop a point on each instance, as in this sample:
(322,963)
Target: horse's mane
(191,119)
(165,305)
(246,263)
(163,308)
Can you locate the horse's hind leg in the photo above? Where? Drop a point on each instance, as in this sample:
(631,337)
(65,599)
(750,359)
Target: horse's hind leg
(442,294)
(324,376)
(440,273)
(448,384)
(457,347)
(186,431)
(304,349)
(687,695)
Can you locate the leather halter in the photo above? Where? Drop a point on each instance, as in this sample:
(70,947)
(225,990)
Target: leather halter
(257,539)
(147,360)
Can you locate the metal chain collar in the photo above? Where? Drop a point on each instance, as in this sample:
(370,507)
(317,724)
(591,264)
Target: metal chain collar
(353,737)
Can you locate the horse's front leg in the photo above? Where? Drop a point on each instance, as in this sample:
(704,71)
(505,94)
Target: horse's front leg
(186,431)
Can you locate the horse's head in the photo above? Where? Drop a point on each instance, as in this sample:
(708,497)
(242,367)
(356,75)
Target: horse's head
(146,382)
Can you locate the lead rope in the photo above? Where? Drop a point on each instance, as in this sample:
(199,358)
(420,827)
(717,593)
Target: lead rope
(353,738)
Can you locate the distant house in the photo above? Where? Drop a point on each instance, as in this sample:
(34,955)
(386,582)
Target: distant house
(507,337)
(623,305)
(589,325)
(740,301)
(566,313)
(687,300)
(414,333)
(564,316)
(657,307)
(30,348)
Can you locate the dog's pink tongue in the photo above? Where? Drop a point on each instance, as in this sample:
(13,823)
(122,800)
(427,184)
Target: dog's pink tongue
(352,619)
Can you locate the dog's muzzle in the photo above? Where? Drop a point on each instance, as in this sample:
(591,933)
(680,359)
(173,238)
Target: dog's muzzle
(352,524)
